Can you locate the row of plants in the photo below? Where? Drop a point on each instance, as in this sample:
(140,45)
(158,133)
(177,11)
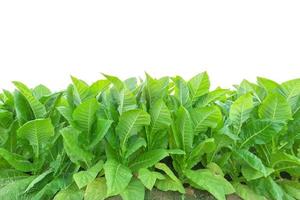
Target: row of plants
(114,137)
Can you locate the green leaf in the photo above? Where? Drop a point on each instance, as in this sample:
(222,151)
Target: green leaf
(246,193)
(248,158)
(160,117)
(81,88)
(250,173)
(205,117)
(206,146)
(198,86)
(217,185)
(83,178)
(85,115)
(37,180)
(117,177)
(37,107)
(22,107)
(16,161)
(148,159)
(70,193)
(72,146)
(267,84)
(181,91)
(170,182)
(40,91)
(281,161)
(15,189)
(9,175)
(129,123)
(134,191)
(96,190)
(240,110)
(291,90)
(259,132)
(50,189)
(268,188)
(134,145)
(149,178)
(38,133)
(291,187)
(184,134)
(103,126)
(275,107)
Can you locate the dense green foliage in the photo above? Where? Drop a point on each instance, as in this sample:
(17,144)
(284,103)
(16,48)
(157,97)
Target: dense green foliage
(122,138)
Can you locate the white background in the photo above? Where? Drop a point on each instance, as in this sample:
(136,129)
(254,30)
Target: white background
(47,41)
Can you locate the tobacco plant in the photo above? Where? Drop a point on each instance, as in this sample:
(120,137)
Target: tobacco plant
(124,138)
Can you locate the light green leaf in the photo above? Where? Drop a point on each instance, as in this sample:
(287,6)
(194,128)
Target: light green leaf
(37,180)
(40,91)
(16,161)
(206,117)
(83,178)
(207,146)
(248,158)
(281,161)
(170,182)
(251,174)
(291,187)
(291,90)
(103,126)
(96,190)
(184,131)
(181,91)
(70,193)
(81,88)
(15,189)
(148,177)
(9,175)
(160,117)
(217,185)
(134,145)
(49,190)
(128,124)
(38,133)
(247,193)
(198,86)
(240,110)
(37,107)
(259,132)
(134,191)
(117,177)
(85,115)
(72,147)
(267,84)
(148,159)
(275,107)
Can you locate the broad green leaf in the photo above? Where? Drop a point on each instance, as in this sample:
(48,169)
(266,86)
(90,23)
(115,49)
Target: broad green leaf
(15,189)
(207,146)
(259,132)
(275,107)
(240,110)
(160,117)
(96,190)
(148,159)
(217,185)
(85,115)
(66,112)
(267,84)
(40,91)
(134,145)
(81,88)
(291,90)
(83,178)
(72,146)
(170,182)
(50,189)
(211,97)
(70,193)
(129,123)
(182,91)
(246,193)
(205,117)
(155,89)
(184,131)
(102,127)
(268,188)
(134,191)
(246,157)
(148,177)
(250,173)
(115,81)
(9,175)
(17,161)
(22,107)
(117,177)
(38,133)
(291,187)
(37,107)
(281,161)
(37,180)
(198,86)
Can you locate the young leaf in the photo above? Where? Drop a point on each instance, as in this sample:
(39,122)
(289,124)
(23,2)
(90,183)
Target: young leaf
(198,86)
(96,190)
(217,185)
(38,133)
(134,191)
(117,177)
(149,178)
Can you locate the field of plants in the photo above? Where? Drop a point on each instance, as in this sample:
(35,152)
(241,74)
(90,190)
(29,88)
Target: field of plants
(126,138)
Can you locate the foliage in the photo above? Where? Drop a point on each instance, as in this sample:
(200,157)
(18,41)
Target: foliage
(114,137)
